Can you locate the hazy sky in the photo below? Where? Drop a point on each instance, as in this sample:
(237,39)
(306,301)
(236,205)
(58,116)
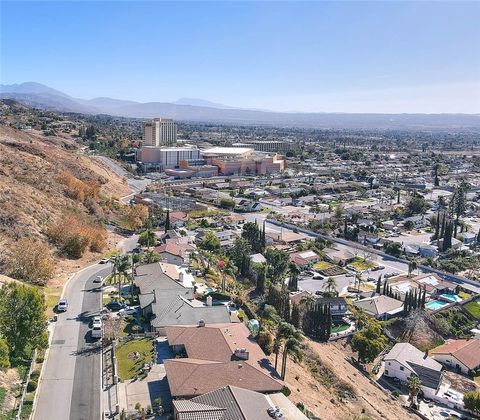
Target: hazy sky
(305,56)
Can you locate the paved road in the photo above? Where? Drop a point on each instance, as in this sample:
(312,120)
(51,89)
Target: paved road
(70,385)
(391,264)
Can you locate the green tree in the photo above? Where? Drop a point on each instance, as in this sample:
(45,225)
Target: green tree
(210,243)
(167,221)
(412,266)
(227,203)
(471,401)
(294,272)
(393,248)
(240,255)
(147,238)
(253,235)
(22,318)
(277,263)
(4,354)
(369,342)
(416,205)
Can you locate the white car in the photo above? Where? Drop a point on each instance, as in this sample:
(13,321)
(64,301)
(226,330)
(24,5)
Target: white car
(130,310)
(97,327)
(98,279)
(104,261)
(62,305)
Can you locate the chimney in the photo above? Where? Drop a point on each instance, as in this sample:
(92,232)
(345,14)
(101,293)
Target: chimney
(201,323)
(209,301)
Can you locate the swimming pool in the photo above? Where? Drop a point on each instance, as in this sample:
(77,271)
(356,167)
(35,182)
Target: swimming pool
(435,304)
(452,297)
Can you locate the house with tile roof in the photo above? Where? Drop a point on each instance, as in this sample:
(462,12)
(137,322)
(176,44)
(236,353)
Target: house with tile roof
(404,360)
(463,355)
(217,356)
(304,258)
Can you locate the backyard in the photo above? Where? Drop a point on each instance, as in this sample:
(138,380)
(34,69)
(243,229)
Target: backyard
(473,308)
(132,356)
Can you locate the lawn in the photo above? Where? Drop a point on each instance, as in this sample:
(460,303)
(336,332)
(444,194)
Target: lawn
(128,367)
(473,308)
(362,265)
(464,295)
(322,265)
(340,327)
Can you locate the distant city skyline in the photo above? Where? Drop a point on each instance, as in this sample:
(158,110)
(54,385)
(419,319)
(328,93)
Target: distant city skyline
(388,57)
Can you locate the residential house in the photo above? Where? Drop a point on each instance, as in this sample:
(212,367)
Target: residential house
(258,259)
(338,305)
(339,256)
(217,356)
(433,284)
(304,258)
(231,402)
(418,221)
(469,238)
(178,219)
(463,355)
(380,306)
(175,253)
(284,236)
(404,360)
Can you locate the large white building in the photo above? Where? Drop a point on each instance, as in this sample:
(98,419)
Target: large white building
(160,132)
(161,158)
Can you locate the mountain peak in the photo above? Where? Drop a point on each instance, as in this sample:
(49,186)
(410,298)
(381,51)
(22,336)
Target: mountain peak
(201,102)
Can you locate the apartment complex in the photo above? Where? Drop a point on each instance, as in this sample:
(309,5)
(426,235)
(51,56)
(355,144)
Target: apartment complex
(160,132)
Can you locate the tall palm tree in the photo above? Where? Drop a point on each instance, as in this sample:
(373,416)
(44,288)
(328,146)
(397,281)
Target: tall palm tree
(412,266)
(294,273)
(122,264)
(358,280)
(291,340)
(414,386)
(292,346)
(330,286)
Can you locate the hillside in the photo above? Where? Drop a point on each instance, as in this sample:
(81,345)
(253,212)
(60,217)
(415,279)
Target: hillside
(43,178)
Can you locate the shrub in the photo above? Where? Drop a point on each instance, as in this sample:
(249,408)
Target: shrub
(32,385)
(286,391)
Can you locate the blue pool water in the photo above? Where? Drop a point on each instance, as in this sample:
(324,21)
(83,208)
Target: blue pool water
(452,297)
(435,304)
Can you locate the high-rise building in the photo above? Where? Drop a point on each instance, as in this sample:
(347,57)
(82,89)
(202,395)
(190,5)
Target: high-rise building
(160,132)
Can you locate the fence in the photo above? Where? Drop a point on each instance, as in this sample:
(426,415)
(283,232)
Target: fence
(25,385)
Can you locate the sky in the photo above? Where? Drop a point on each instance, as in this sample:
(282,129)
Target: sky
(315,56)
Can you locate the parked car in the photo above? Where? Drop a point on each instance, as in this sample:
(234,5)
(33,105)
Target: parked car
(317,276)
(349,274)
(62,305)
(128,310)
(97,327)
(115,306)
(98,279)
(318,292)
(104,261)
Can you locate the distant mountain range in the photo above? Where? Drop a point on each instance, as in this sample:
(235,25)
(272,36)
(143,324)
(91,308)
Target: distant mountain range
(41,96)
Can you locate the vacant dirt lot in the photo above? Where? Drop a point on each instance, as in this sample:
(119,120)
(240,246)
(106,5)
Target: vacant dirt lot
(324,400)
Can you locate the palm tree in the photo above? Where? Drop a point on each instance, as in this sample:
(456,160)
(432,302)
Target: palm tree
(412,266)
(291,337)
(330,286)
(414,387)
(358,280)
(292,346)
(121,265)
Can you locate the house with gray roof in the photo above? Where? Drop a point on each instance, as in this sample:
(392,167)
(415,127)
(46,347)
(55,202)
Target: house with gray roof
(404,360)
(380,306)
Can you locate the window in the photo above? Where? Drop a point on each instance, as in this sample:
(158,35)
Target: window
(402,368)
